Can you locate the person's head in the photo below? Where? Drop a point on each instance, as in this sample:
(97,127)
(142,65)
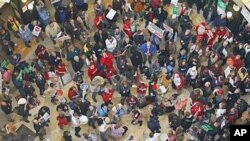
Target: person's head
(71,21)
(51,24)
(11,18)
(170,133)
(71,5)
(104,106)
(187,114)
(117,29)
(100,121)
(104,54)
(151,135)
(225,43)
(99,2)
(76,58)
(187,32)
(148,44)
(51,85)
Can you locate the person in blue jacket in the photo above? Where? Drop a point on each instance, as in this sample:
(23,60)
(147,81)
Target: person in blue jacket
(102,110)
(148,50)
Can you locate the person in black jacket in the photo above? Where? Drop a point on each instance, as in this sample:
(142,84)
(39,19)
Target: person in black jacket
(67,136)
(40,83)
(100,36)
(136,59)
(210,13)
(39,128)
(154,125)
(4,34)
(61,15)
(185,39)
(187,121)
(139,38)
(8,47)
(161,15)
(6,106)
(74,29)
(23,110)
(77,64)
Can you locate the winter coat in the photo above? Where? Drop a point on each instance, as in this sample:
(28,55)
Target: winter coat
(43,16)
(77,66)
(52,32)
(26,34)
(144,49)
(61,15)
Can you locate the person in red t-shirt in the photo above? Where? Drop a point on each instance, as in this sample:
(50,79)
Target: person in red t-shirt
(62,121)
(107,96)
(127,28)
(237,62)
(72,93)
(61,69)
(107,61)
(92,71)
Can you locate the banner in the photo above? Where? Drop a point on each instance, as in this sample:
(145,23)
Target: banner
(221,7)
(245,13)
(174,2)
(155,30)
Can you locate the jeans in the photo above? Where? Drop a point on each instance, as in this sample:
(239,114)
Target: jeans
(103,136)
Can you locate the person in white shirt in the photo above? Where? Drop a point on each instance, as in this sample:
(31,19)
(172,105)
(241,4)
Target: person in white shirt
(153,137)
(102,127)
(76,123)
(111,43)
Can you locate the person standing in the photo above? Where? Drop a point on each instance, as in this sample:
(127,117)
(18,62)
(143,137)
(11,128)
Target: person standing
(26,34)
(76,123)
(51,30)
(13,25)
(148,50)
(23,109)
(40,83)
(124,90)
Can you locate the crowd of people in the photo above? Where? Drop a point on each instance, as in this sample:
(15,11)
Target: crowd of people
(118,54)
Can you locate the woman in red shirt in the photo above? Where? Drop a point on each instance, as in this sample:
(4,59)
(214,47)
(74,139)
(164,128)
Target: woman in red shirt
(107,61)
(62,121)
(127,28)
(61,69)
(72,92)
(98,22)
(92,71)
(107,96)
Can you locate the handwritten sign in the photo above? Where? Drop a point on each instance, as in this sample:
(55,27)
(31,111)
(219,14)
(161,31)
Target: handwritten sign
(36,31)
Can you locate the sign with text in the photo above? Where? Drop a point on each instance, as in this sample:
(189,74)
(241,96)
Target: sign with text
(155,30)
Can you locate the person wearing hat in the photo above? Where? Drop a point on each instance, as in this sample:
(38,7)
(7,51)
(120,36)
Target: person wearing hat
(191,75)
(23,109)
(77,64)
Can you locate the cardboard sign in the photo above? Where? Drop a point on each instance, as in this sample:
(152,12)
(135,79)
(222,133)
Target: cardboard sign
(54,1)
(36,31)
(66,78)
(111,14)
(155,30)
(168,28)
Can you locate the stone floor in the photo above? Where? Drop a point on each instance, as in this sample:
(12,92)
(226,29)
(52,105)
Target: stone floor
(54,133)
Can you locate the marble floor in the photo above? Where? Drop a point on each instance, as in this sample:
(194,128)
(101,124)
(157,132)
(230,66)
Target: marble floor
(54,133)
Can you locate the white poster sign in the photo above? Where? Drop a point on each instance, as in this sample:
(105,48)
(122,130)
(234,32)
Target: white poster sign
(155,30)
(245,13)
